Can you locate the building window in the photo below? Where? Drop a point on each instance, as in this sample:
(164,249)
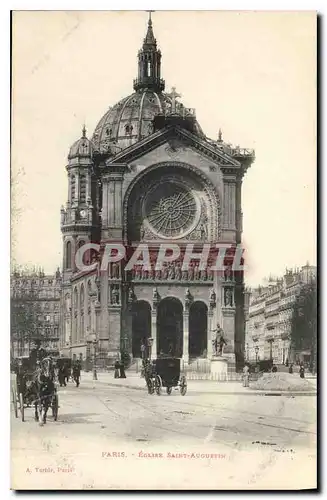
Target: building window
(128,129)
(149,68)
(73,187)
(68,260)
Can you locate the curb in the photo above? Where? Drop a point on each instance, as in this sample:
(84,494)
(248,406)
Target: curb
(245,393)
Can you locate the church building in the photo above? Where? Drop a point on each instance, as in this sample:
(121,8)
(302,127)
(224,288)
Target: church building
(150,175)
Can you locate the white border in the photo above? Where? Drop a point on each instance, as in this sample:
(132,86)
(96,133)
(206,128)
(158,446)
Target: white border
(5,154)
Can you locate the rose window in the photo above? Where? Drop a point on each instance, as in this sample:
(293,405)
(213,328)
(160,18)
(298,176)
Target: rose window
(170,209)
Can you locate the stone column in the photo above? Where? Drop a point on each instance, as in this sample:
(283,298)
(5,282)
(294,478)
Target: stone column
(69,188)
(154,332)
(186,334)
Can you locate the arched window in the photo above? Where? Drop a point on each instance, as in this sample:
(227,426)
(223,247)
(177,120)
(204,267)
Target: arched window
(68,255)
(149,68)
(82,188)
(67,303)
(86,254)
(128,129)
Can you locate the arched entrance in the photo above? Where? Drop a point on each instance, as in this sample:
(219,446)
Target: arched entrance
(170,327)
(141,325)
(198,321)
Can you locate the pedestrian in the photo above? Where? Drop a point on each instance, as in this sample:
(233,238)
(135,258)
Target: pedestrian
(122,369)
(246,375)
(274,369)
(301,370)
(117,366)
(143,349)
(290,370)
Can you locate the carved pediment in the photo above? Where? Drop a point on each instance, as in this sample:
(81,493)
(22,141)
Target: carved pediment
(176,139)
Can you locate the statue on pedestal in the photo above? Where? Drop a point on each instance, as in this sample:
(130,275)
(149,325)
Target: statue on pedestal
(196,272)
(228,274)
(228,297)
(184,274)
(219,342)
(203,274)
(188,298)
(115,270)
(115,296)
(131,296)
(203,231)
(178,271)
(212,298)
(155,297)
(137,273)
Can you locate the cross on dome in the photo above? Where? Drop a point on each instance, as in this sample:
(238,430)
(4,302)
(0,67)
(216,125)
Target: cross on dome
(173,95)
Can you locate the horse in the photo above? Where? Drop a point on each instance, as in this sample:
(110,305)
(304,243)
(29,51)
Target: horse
(44,388)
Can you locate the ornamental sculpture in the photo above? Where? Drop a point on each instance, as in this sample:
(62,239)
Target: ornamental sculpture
(173,272)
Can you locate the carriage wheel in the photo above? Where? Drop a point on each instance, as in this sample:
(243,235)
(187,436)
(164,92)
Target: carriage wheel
(183,385)
(21,407)
(169,389)
(55,406)
(158,384)
(14,400)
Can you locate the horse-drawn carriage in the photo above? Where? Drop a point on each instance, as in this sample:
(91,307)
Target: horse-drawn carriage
(164,372)
(31,387)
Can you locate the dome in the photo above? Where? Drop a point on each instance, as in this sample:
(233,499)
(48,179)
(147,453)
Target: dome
(130,120)
(82,148)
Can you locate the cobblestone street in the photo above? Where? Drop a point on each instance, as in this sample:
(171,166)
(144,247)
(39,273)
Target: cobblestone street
(124,438)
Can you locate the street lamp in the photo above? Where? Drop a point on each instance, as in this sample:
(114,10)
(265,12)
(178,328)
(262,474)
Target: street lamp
(256,353)
(94,368)
(247,352)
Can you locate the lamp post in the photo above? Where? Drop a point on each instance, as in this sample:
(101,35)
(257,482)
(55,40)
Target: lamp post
(94,368)
(150,343)
(256,353)
(247,352)
(70,332)
(271,354)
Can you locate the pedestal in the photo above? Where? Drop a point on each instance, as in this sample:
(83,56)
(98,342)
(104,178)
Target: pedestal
(186,336)
(219,368)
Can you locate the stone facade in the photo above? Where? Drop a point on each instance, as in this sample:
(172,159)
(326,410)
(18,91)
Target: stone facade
(150,176)
(268,325)
(39,295)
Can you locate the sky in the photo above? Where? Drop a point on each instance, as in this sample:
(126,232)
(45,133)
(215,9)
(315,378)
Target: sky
(252,74)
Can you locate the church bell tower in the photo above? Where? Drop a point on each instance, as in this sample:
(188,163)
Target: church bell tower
(149,64)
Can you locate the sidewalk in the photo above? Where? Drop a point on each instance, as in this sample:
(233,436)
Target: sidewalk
(134,381)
